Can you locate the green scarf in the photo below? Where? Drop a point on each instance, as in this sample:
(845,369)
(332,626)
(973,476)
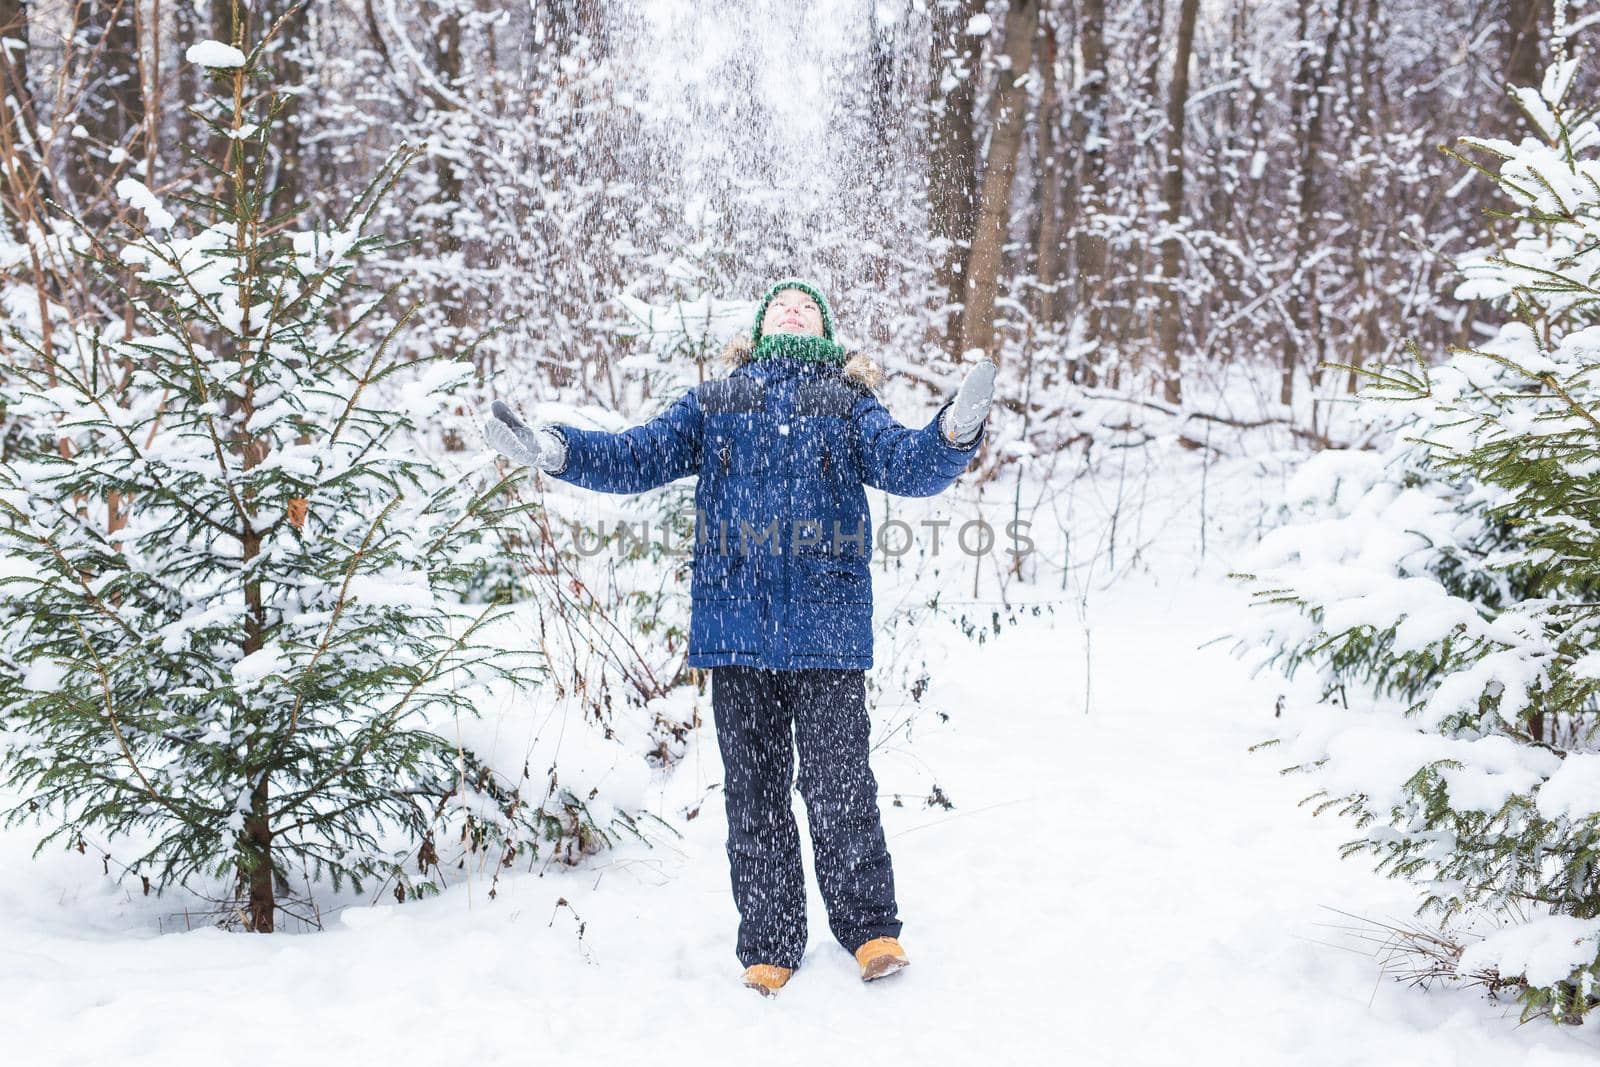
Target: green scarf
(802,346)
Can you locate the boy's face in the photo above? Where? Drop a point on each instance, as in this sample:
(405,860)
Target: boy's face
(792,311)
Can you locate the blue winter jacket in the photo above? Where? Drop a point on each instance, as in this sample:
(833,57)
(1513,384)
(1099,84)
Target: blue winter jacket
(782,448)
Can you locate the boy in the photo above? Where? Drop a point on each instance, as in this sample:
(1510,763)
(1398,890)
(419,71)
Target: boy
(782,600)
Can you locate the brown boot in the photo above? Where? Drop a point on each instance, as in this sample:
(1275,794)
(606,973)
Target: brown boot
(880,957)
(766,978)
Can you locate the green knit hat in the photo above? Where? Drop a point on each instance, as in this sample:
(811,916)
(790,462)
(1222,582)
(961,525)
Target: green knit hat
(800,346)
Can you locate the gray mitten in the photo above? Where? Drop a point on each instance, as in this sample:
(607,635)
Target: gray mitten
(962,418)
(518,442)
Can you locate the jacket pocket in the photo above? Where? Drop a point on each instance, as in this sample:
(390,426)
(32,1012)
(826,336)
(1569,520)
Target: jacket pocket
(729,446)
(832,580)
(718,575)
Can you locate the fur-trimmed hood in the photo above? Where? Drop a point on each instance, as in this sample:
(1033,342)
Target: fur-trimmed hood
(858,367)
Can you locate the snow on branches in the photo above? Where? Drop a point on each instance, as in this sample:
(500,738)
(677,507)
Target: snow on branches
(236,638)
(1446,590)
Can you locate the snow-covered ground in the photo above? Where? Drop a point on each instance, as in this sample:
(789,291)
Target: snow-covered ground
(1119,881)
(1117,884)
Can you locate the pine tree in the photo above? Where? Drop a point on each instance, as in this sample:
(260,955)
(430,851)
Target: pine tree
(1447,590)
(238,635)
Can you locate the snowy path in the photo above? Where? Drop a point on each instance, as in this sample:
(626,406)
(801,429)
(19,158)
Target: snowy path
(1126,886)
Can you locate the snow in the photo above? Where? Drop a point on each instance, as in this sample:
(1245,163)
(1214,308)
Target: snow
(258,665)
(175,634)
(1586,666)
(135,192)
(315,250)
(1573,791)
(1177,872)
(1119,879)
(1544,949)
(43,676)
(214,54)
(427,393)
(392,589)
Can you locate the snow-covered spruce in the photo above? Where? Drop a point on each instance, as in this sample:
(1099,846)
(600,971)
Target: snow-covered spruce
(1446,590)
(235,635)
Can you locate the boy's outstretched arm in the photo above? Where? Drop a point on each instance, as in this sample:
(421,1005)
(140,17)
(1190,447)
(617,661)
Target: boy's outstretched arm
(631,461)
(923,462)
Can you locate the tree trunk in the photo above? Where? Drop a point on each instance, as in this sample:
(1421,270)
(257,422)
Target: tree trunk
(1089,251)
(1522,31)
(285,60)
(999,168)
(883,122)
(1308,110)
(1050,178)
(260,899)
(18,180)
(1364,77)
(186,27)
(256,845)
(255,839)
(14,61)
(113,111)
(446,35)
(443,20)
(1172,193)
(953,148)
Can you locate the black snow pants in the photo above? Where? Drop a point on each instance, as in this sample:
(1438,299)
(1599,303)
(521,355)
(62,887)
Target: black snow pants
(755,708)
